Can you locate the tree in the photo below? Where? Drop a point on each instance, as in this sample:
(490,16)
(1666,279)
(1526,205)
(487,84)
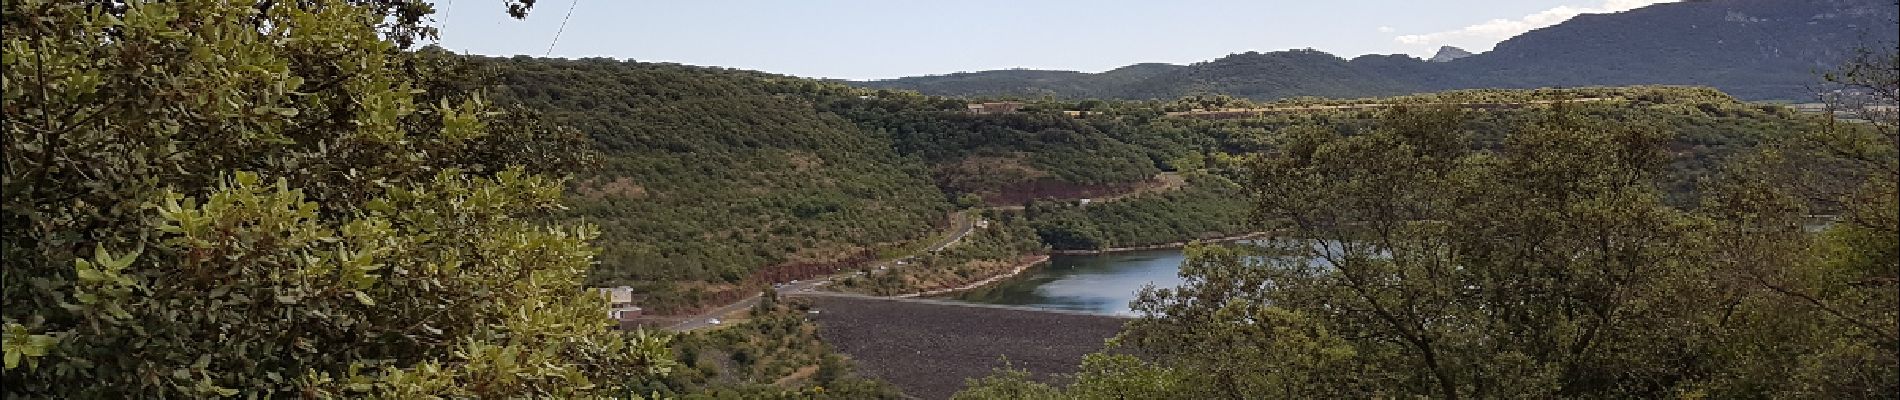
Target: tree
(1415,264)
(969,200)
(209,198)
(1426,253)
(1833,290)
(768,302)
(1008,383)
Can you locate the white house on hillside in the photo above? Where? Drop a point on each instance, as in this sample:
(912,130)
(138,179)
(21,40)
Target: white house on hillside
(620,302)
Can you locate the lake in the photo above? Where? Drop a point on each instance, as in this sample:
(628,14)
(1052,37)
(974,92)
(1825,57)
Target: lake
(1103,283)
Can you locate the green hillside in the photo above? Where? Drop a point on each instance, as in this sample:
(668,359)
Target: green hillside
(709,174)
(1004,157)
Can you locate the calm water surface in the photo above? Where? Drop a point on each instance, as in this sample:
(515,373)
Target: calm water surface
(1099,283)
(1106,283)
(1103,283)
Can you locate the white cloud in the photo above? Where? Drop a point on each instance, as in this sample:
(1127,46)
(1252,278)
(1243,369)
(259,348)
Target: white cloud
(1386,29)
(1484,35)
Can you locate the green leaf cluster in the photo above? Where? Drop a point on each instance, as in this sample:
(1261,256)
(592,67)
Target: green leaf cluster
(707,175)
(269,199)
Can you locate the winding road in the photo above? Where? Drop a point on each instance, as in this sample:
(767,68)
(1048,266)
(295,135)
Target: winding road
(961,222)
(948,303)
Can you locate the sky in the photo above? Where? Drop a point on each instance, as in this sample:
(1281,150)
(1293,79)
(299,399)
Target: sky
(879,39)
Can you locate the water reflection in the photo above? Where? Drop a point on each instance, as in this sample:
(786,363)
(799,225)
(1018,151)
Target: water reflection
(1097,283)
(1106,283)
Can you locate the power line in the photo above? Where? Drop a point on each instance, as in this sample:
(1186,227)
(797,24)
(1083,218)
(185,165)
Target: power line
(557,33)
(448,9)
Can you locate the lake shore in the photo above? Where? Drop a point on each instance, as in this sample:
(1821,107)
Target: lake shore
(1020,267)
(1171,245)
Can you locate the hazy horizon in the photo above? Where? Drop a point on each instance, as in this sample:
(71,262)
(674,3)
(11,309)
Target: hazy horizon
(865,40)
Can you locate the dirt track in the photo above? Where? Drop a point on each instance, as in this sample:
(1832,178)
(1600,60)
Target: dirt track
(929,350)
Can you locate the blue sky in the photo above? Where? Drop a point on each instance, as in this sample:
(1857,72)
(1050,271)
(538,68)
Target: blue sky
(871,39)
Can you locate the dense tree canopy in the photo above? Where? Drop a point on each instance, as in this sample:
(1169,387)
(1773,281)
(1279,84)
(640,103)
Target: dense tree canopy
(1209,205)
(708,176)
(1548,265)
(210,198)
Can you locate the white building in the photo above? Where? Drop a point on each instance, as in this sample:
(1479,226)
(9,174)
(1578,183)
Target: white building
(620,302)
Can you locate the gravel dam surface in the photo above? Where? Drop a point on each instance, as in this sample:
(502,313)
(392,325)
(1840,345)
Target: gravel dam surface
(928,350)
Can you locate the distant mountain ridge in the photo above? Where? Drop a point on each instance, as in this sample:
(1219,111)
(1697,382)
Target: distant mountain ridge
(1448,53)
(1753,49)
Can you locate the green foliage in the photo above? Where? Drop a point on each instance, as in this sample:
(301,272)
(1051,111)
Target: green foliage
(1708,126)
(210,199)
(988,154)
(710,174)
(1209,205)
(1005,158)
(23,346)
(987,251)
(1826,326)
(969,200)
(1008,383)
(1547,265)
(758,358)
(1102,376)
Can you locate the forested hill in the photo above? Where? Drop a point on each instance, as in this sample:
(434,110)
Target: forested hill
(1753,49)
(712,178)
(708,174)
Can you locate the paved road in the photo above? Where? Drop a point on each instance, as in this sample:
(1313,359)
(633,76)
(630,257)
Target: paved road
(704,319)
(961,221)
(948,303)
(964,224)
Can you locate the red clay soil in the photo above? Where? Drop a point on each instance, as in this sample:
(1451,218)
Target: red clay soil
(787,272)
(930,350)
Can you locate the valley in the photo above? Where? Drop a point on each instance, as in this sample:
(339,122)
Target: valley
(330,199)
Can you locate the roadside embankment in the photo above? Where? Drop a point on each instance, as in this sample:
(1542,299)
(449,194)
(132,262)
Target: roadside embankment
(1020,267)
